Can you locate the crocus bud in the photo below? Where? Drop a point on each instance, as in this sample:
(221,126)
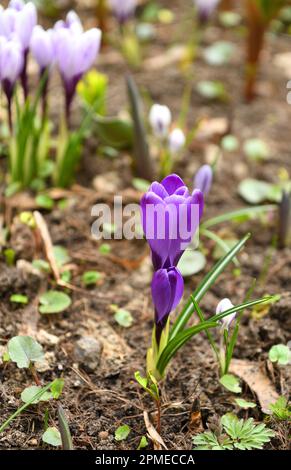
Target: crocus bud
(75,52)
(11,63)
(16,4)
(123,9)
(225,304)
(170,217)
(176,140)
(167,291)
(42,47)
(203,179)
(205,9)
(160,119)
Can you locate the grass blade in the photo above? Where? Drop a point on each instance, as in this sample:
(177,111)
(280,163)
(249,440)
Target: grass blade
(205,285)
(247,212)
(67,442)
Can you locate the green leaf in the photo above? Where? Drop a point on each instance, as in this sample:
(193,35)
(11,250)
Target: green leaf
(57,388)
(281,354)
(230,143)
(61,255)
(143,381)
(90,278)
(9,254)
(255,191)
(219,53)
(142,443)
(54,302)
(281,409)
(256,150)
(141,185)
(19,299)
(29,393)
(245,404)
(239,215)
(123,318)
(192,262)
(52,437)
(142,158)
(212,90)
(44,201)
(122,432)
(114,131)
(41,265)
(23,350)
(231,383)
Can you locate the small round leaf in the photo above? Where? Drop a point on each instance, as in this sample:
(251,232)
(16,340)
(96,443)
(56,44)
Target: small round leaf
(54,302)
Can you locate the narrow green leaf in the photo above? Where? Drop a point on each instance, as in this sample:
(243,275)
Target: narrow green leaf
(66,437)
(205,285)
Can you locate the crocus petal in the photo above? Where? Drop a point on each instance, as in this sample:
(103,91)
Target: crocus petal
(123,9)
(167,291)
(172,182)
(41,46)
(177,140)
(25,22)
(158,189)
(198,199)
(160,119)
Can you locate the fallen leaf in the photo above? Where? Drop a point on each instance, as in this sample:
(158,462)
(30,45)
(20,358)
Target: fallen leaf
(153,433)
(258,382)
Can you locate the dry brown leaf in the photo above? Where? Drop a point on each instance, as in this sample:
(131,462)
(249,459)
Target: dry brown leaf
(48,246)
(153,433)
(258,382)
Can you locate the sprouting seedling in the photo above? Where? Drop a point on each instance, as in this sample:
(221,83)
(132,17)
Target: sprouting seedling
(67,442)
(260,13)
(25,351)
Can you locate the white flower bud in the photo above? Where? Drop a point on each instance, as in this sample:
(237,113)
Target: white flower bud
(176,140)
(225,304)
(160,119)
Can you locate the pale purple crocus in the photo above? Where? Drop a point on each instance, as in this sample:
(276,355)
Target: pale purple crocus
(167,290)
(205,8)
(170,217)
(19,20)
(223,306)
(11,65)
(43,51)
(123,9)
(76,52)
(203,179)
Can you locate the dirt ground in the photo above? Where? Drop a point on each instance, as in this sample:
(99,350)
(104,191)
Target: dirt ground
(100,398)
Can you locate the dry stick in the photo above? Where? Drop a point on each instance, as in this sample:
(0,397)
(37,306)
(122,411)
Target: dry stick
(49,251)
(257,29)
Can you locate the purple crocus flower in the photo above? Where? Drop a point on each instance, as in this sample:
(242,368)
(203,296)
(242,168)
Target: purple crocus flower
(205,9)
(170,218)
(167,291)
(11,64)
(123,9)
(203,179)
(225,304)
(76,52)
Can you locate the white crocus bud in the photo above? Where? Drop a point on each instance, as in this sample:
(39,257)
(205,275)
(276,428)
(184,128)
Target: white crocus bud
(160,119)
(225,304)
(177,140)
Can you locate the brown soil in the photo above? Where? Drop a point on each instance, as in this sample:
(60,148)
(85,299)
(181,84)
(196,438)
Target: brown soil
(97,402)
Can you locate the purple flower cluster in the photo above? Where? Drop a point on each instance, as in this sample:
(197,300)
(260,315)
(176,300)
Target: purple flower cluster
(67,45)
(170,218)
